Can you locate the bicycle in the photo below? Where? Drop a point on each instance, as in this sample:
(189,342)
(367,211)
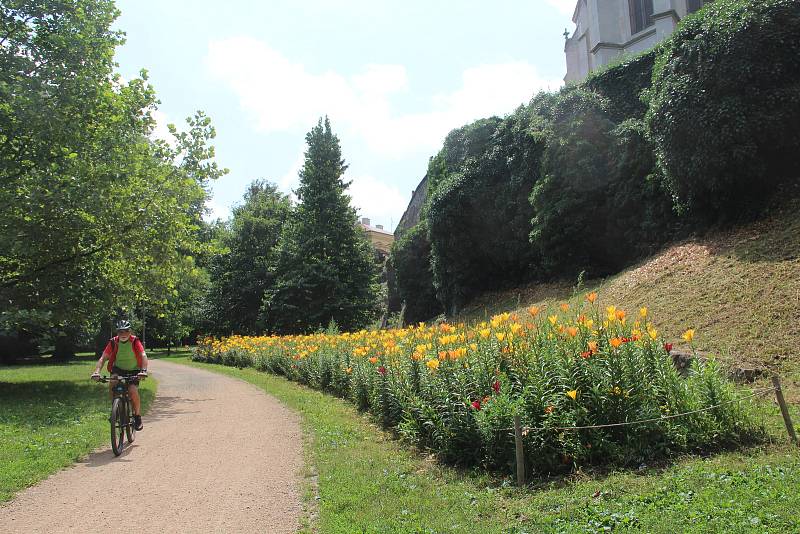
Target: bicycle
(121,419)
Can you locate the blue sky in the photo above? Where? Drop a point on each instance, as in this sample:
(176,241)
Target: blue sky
(394,77)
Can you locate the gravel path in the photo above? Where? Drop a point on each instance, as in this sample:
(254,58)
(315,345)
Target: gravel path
(216,455)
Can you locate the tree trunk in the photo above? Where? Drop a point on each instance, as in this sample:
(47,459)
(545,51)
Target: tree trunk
(65,348)
(105,332)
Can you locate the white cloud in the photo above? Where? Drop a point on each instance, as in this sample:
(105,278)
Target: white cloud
(216,211)
(289,181)
(283,95)
(485,90)
(381,203)
(566,7)
(160,130)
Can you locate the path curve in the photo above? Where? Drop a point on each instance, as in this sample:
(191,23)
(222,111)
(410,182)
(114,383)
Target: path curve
(239,470)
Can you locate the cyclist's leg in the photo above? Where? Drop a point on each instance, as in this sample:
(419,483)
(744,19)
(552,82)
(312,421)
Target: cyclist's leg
(133,391)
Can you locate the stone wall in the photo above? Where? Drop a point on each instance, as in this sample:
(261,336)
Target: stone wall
(411,216)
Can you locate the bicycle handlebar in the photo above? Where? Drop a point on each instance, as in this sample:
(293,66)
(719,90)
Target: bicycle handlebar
(103,379)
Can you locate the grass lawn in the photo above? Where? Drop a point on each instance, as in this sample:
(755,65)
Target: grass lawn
(50,416)
(368,482)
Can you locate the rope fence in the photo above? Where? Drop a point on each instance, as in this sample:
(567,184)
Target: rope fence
(527,429)
(520,431)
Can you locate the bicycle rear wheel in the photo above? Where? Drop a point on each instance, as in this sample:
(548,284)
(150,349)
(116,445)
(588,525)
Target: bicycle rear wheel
(117,426)
(130,428)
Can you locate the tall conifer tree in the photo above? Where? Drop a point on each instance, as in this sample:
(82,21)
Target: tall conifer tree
(326,268)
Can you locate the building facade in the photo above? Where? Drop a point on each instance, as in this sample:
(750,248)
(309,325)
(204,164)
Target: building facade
(381,239)
(608,29)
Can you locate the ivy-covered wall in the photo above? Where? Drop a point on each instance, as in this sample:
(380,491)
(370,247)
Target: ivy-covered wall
(700,131)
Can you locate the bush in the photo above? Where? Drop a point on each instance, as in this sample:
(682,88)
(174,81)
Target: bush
(597,207)
(455,390)
(479,216)
(624,84)
(725,105)
(460,145)
(411,258)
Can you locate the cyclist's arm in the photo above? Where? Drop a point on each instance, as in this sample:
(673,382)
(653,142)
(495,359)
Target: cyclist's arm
(103,357)
(99,365)
(140,347)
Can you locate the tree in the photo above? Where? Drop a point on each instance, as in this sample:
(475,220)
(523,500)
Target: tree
(95,214)
(325,269)
(246,270)
(175,317)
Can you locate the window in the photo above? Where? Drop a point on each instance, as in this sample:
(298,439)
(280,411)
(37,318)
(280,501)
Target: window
(694,5)
(641,14)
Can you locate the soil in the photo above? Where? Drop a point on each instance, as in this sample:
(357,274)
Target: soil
(216,455)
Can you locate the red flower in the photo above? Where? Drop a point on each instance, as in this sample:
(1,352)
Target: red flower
(382,370)
(586,354)
(476,404)
(496,386)
(668,347)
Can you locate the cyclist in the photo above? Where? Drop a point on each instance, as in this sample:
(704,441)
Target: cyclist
(126,357)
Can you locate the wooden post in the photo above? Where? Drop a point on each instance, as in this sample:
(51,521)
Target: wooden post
(520,452)
(784,409)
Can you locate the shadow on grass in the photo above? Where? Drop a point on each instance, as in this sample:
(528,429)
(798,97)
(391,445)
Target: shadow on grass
(52,402)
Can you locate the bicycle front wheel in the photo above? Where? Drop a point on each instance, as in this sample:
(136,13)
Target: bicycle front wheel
(117,426)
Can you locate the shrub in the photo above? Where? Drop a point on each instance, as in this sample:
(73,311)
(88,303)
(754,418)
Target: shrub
(460,145)
(411,258)
(455,390)
(479,216)
(597,207)
(725,105)
(624,84)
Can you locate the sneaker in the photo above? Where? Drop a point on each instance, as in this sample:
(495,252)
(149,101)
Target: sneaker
(137,422)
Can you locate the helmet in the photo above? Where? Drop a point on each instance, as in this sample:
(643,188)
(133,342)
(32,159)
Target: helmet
(123,325)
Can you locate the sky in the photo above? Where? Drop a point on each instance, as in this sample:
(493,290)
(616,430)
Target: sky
(393,77)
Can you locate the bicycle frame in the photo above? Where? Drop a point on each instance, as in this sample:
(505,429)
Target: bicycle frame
(122,425)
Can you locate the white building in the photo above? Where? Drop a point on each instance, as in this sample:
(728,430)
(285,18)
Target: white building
(607,29)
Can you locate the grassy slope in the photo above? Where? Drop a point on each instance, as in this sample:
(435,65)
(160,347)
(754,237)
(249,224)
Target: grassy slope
(740,290)
(368,482)
(50,416)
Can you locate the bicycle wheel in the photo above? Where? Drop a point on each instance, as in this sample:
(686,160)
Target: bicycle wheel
(117,426)
(130,429)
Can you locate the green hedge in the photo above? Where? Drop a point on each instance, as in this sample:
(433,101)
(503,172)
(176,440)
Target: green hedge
(597,208)
(725,105)
(479,216)
(413,275)
(623,84)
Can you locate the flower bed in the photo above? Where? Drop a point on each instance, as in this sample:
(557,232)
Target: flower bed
(454,389)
